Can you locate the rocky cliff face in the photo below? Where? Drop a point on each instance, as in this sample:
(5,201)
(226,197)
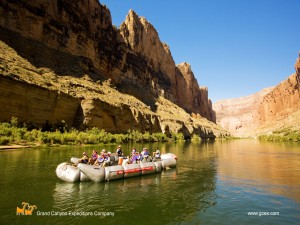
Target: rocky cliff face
(240,116)
(282,102)
(142,38)
(271,109)
(70,54)
(38,95)
(31,103)
(189,95)
(81,33)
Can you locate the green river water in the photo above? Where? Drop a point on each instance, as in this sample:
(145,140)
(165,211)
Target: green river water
(220,182)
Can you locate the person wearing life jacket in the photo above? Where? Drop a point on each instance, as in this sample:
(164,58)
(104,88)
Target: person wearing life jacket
(133,152)
(141,154)
(100,160)
(119,151)
(146,156)
(156,154)
(145,152)
(94,157)
(84,159)
(113,160)
(135,157)
(106,161)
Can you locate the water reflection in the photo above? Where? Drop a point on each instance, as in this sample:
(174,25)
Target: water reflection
(153,199)
(172,196)
(274,167)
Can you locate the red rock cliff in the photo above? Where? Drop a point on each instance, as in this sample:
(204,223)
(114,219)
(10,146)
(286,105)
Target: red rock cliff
(189,95)
(271,109)
(77,37)
(63,60)
(240,115)
(283,100)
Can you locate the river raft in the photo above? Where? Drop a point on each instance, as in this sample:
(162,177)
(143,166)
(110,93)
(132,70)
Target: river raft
(83,172)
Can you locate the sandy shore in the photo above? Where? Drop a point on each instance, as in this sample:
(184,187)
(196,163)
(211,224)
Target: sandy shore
(3,147)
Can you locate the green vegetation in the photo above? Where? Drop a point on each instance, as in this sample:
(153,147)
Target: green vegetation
(177,137)
(14,133)
(282,135)
(196,138)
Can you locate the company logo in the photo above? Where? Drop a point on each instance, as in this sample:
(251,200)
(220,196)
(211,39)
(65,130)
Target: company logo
(27,209)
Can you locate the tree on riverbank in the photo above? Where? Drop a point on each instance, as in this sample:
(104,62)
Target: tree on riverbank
(282,135)
(14,133)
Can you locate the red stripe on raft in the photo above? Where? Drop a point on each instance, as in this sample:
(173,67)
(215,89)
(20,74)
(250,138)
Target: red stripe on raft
(120,172)
(148,168)
(132,170)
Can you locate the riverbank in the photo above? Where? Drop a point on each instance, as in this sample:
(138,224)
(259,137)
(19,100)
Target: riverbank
(13,135)
(8,147)
(285,135)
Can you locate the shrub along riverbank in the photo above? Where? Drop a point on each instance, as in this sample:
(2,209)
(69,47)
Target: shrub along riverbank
(14,133)
(285,135)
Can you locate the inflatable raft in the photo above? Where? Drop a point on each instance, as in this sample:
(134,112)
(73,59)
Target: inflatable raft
(82,172)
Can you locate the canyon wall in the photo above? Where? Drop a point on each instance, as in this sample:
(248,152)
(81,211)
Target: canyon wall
(38,96)
(78,38)
(240,116)
(189,95)
(272,109)
(33,104)
(283,102)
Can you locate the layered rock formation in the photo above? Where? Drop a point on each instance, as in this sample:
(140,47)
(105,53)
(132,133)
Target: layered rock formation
(240,116)
(282,103)
(272,109)
(81,33)
(63,60)
(189,95)
(38,95)
(32,103)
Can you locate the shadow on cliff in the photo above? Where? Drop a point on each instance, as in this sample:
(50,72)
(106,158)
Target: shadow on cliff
(39,55)
(64,64)
(142,93)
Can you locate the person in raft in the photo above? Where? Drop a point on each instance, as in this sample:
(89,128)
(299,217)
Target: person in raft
(156,154)
(146,155)
(112,159)
(135,156)
(106,160)
(100,160)
(119,151)
(133,152)
(84,159)
(94,157)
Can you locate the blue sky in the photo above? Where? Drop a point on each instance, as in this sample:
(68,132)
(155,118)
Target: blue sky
(235,47)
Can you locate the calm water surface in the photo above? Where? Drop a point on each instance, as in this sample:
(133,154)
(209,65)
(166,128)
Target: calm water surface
(215,183)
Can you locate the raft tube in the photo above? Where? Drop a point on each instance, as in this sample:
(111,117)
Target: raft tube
(96,174)
(169,163)
(168,156)
(74,160)
(148,168)
(169,160)
(83,177)
(114,172)
(132,170)
(67,172)
(158,166)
